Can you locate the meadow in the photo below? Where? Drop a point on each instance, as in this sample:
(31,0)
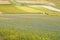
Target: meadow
(24,22)
(14,9)
(29,27)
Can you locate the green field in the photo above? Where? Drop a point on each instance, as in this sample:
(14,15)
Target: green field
(29,27)
(12,9)
(26,22)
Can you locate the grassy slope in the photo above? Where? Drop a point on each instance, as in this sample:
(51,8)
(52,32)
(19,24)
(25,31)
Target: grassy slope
(9,9)
(28,9)
(49,12)
(56,2)
(47,2)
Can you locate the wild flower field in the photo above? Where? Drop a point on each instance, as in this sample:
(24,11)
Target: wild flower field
(29,27)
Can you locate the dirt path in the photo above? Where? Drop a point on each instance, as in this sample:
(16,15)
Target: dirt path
(51,8)
(47,7)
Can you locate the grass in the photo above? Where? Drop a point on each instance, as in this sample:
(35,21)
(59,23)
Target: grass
(11,9)
(28,27)
(56,2)
(57,5)
(34,28)
(27,9)
(11,34)
(44,10)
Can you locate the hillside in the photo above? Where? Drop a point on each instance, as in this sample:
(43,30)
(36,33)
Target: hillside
(11,9)
(54,3)
(24,8)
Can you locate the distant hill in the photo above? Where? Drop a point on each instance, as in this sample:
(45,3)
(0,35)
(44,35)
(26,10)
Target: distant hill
(55,3)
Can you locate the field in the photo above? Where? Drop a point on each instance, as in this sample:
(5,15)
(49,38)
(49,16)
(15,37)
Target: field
(28,23)
(29,27)
(56,2)
(12,9)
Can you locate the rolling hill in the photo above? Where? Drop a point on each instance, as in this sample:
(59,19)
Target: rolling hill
(24,8)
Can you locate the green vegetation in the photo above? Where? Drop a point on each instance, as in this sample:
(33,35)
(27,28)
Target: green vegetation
(57,5)
(46,11)
(14,26)
(56,2)
(33,28)
(12,9)
(13,34)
